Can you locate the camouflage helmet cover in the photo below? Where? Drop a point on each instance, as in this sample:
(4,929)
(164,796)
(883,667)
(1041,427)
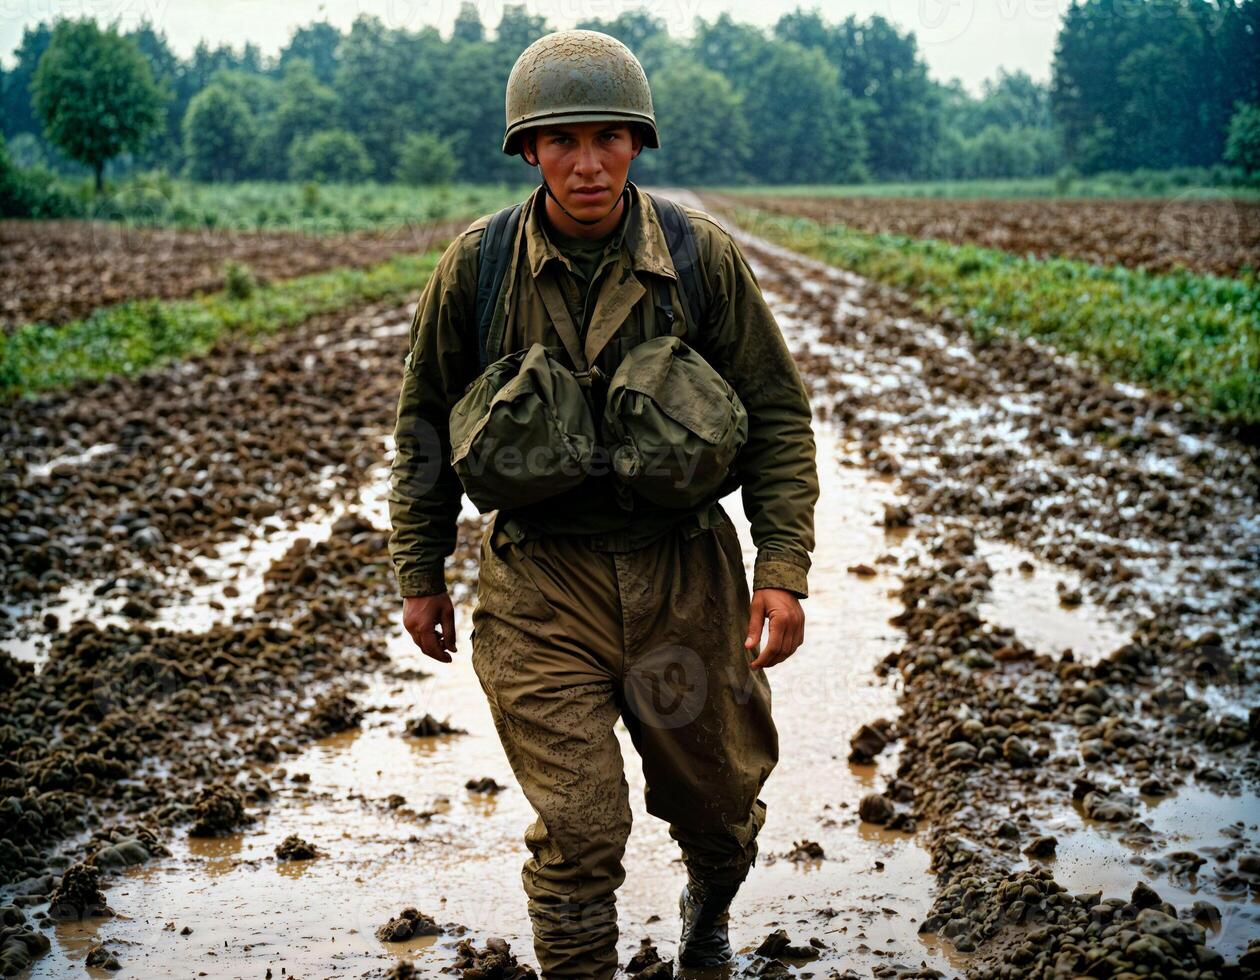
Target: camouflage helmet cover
(577,76)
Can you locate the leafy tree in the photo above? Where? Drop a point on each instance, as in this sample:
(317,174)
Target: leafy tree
(317,44)
(704,136)
(426,159)
(1152,84)
(468,27)
(390,82)
(1243,146)
(882,69)
(329,156)
(803,127)
(95,93)
(219,134)
(18,113)
(164,143)
(471,115)
(517,30)
(303,106)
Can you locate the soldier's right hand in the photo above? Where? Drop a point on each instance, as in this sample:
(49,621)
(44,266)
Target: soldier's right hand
(430,619)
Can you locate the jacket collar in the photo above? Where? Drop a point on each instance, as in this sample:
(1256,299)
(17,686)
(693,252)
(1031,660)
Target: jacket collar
(642,238)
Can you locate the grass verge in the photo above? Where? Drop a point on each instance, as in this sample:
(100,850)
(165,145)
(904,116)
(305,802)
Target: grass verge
(1190,336)
(131,336)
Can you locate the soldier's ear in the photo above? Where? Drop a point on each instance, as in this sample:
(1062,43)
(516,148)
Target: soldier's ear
(636,140)
(529,149)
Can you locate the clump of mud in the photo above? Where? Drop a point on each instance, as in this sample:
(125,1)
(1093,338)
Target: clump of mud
(294,848)
(218,810)
(408,924)
(78,895)
(20,945)
(100,957)
(495,961)
(648,964)
(335,711)
(486,784)
(428,725)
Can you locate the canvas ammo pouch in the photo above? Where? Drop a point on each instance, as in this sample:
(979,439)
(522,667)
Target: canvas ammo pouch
(522,431)
(672,424)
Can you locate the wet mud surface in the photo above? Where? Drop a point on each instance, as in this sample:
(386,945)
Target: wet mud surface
(1029,663)
(1218,237)
(57,271)
(1090,793)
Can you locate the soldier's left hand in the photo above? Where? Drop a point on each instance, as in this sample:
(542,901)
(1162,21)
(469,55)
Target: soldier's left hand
(787,626)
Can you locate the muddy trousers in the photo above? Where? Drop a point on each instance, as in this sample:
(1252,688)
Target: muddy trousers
(565,641)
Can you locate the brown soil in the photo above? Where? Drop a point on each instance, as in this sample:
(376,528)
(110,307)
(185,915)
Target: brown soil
(1218,237)
(57,271)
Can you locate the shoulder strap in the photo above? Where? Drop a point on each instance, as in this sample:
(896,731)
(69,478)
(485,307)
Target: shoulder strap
(494,255)
(681,239)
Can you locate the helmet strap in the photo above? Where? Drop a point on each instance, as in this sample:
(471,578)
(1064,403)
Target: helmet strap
(583,221)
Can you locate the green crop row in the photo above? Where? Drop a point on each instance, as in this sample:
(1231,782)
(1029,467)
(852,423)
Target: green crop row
(157,200)
(138,334)
(1191,336)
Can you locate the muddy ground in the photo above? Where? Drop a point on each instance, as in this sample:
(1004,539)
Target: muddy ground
(1219,237)
(203,659)
(57,271)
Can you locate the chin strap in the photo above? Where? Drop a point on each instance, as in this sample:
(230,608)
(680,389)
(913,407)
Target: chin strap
(583,221)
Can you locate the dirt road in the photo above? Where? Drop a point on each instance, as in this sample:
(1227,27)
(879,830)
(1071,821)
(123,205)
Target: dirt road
(1001,505)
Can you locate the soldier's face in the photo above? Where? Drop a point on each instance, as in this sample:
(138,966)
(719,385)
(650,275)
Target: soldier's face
(585,164)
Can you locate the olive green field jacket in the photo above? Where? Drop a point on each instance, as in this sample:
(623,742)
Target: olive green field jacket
(621,308)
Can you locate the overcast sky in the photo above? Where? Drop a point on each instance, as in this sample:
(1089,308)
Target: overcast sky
(966,39)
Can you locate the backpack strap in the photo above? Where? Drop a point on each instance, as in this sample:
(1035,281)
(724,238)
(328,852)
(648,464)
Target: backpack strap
(681,239)
(494,255)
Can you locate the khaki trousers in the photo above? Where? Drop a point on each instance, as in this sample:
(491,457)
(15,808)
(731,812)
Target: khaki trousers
(566,640)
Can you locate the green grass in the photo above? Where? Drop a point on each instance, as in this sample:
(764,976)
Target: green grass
(155,200)
(1154,185)
(1191,336)
(138,334)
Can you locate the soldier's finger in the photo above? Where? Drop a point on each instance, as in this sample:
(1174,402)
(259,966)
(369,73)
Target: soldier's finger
(771,652)
(448,627)
(430,644)
(756,619)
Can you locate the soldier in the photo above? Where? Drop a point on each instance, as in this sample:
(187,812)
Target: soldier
(614,587)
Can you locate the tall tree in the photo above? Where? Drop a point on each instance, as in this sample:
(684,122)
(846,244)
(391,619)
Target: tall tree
(468,27)
(164,143)
(19,113)
(303,106)
(317,44)
(389,83)
(219,134)
(700,117)
(94,92)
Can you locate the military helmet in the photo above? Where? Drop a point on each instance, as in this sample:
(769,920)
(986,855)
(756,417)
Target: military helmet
(577,76)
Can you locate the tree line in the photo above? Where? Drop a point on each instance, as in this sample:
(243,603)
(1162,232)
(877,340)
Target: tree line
(1135,84)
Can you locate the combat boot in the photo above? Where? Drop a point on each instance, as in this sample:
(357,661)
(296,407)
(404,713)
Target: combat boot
(705,914)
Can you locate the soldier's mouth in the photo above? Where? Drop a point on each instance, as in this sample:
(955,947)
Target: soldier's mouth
(589,193)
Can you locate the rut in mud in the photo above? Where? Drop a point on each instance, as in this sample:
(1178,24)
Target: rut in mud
(245,676)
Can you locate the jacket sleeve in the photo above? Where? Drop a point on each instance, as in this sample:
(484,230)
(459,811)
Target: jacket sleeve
(777,465)
(424,492)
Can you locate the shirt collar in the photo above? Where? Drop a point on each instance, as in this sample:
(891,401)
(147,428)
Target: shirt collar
(642,237)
